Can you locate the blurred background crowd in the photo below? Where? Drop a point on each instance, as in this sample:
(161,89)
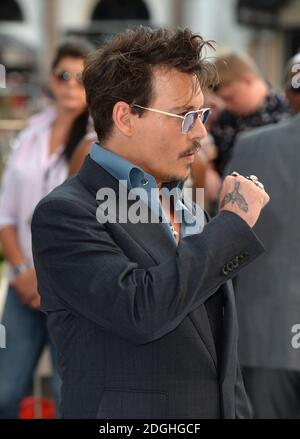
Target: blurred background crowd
(46,132)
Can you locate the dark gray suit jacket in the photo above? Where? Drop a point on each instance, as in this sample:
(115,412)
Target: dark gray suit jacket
(127,308)
(268,291)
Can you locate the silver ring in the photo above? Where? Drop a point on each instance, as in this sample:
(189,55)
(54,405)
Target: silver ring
(234,174)
(252,178)
(255,180)
(260,185)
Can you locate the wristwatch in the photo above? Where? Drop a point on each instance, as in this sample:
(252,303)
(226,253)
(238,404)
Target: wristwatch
(19,268)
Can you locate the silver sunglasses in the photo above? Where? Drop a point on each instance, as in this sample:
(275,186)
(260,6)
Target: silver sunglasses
(188,119)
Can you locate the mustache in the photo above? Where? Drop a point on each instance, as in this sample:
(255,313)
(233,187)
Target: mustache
(192,150)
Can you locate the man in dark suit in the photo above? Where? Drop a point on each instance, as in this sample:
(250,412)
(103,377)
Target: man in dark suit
(142,312)
(268,295)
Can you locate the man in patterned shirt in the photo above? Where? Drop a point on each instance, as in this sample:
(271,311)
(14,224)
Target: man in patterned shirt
(249,102)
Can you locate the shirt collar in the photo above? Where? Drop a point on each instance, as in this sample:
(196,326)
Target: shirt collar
(121,168)
(135,177)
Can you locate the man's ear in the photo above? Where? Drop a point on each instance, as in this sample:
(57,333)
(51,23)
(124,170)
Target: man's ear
(122,118)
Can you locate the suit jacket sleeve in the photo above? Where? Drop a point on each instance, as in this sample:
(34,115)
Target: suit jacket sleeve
(79,263)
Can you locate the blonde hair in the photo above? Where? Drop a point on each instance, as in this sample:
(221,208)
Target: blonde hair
(233,66)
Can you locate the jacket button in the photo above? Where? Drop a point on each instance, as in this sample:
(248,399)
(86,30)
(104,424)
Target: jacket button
(230,266)
(225,270)
(235,262)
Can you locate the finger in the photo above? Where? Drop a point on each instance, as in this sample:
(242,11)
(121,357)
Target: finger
(267,199)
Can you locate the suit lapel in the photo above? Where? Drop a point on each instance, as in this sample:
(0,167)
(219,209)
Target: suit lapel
(229,330)
(154,239)
(200,320)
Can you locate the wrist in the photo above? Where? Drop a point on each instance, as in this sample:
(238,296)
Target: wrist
(20,268)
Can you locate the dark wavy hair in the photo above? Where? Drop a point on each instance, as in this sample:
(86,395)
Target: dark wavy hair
(74,47)
(122,69)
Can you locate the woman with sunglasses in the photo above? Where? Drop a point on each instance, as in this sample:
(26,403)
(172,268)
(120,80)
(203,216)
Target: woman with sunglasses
(38,163)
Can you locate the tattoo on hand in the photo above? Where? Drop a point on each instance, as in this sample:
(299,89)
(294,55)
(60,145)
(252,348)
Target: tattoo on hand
(235,197)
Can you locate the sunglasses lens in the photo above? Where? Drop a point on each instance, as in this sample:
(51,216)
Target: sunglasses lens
(204,116)
(189,121)
(65,76)
(62,76)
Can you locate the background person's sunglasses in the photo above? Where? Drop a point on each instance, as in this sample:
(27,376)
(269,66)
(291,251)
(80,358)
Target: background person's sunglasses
(65,76)
(188,119)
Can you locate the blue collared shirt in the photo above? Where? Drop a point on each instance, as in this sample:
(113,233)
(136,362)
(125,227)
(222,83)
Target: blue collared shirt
(122,170)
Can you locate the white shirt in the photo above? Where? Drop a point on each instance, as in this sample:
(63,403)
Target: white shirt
(30,174)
